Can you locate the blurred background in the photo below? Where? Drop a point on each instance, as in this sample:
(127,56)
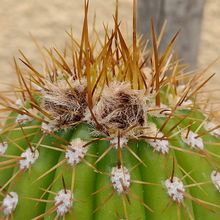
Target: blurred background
(48,20)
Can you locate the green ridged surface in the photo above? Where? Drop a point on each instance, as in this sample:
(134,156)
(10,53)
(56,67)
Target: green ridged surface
(94,195)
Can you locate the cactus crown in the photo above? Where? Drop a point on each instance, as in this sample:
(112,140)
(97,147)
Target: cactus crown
(109,131)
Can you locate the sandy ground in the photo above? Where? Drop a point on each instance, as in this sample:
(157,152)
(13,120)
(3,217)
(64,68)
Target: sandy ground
(48,20)
(210,40)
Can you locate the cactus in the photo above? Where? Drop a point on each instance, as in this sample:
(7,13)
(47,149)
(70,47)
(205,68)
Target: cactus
(109,131)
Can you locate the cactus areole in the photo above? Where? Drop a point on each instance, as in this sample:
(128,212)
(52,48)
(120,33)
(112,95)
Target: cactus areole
(109,130)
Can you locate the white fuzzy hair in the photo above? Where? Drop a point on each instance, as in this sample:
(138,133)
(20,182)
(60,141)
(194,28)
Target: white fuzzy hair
(65,102)
(111,106)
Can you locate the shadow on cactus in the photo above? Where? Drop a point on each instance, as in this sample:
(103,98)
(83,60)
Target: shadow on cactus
(109,131)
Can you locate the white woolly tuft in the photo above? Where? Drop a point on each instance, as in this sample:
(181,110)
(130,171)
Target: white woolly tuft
(161,146)
(175,189)
(211,125)
(123,142)
(215,177)
(21,119)
(76,151)
(66,105)
(113,112)
(63,201)
(47,128)
(120,179)
(29,159)
(192,140)
(19,103)
(9,203)
(3,147)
